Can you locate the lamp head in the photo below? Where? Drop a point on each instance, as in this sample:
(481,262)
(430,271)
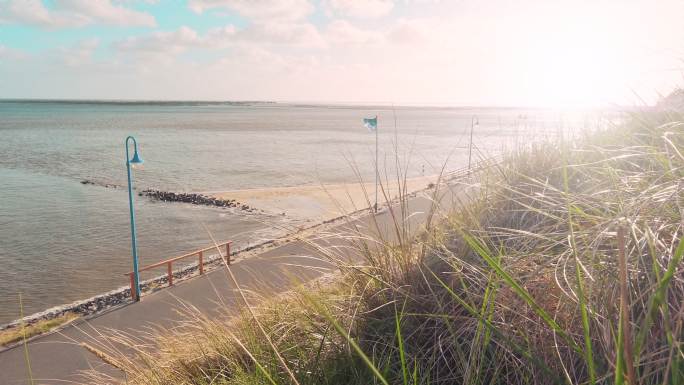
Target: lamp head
(136,158)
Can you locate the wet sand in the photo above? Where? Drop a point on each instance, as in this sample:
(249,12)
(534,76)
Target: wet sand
(322,202)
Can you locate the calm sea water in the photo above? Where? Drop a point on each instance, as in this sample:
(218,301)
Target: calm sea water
(62,241)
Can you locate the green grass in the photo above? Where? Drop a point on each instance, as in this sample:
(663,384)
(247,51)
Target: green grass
(18,333)
(519,284)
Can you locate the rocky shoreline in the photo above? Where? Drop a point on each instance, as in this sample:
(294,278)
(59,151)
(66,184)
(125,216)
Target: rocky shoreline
(114,298)
(110,299)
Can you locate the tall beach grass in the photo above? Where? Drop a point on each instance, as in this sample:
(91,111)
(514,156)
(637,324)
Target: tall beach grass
(561,265)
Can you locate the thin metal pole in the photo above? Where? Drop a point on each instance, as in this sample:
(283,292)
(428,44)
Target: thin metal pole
(470,147)
(134,246)
(376,163)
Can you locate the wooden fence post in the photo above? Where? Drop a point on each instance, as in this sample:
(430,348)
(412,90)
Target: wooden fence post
(170,273)
(133,296)
(169,264)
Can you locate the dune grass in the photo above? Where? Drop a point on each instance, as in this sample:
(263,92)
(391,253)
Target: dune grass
(562,266)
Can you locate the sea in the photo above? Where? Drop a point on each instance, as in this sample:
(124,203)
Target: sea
(62,240)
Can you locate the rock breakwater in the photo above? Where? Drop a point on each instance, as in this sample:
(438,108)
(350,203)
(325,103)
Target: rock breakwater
(98,183)
(195,199)
(192,198)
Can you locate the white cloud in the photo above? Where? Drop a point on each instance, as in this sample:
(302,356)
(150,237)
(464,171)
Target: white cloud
(171,42)
(103,11)
(34,12)
(415,31)
(252,60)
(138,1)
(221,36)
(283,10)
(89,44)
(365,9)
(7,53)
(82,53)
(71,14)
(263,34)
(295,34)
(344,33)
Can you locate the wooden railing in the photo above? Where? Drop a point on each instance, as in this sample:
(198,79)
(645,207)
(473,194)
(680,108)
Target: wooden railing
(169,263)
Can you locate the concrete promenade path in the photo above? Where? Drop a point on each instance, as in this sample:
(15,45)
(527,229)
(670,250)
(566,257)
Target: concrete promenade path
(58,358)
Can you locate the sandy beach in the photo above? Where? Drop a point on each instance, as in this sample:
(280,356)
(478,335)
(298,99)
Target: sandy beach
(322,202)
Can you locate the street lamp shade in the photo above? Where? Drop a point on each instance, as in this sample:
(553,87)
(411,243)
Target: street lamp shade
(136,158)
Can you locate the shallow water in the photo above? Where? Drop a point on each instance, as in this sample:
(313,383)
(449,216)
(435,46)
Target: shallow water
(61,240)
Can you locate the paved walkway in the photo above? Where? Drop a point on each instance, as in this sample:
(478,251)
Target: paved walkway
(58,358)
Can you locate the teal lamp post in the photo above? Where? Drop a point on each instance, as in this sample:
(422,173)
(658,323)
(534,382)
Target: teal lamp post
(130,161)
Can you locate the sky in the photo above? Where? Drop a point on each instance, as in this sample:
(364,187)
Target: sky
(550,53)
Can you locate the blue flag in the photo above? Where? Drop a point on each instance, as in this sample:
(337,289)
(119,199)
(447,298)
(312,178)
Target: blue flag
(371,123)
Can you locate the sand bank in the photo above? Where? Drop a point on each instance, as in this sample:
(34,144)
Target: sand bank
(321,202)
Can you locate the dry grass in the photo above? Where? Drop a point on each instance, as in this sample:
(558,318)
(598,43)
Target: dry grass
(565,268)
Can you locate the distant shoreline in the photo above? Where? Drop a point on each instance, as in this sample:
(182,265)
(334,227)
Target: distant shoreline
(306,104)
(190,103)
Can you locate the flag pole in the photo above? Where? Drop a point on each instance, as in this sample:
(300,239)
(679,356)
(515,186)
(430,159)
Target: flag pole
(376,163)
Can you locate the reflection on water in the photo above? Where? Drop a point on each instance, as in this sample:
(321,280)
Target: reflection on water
(62,241)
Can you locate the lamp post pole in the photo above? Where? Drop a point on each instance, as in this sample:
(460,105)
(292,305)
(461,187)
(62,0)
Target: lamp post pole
(135,160)
(473,122)
(377,174)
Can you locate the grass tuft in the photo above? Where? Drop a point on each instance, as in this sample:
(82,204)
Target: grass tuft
(10,336)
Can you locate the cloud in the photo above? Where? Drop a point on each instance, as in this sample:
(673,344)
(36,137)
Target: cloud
(336,37)
(34,12)
(220,36)
(249,59)
(344,33)
(413,31)
(139,1)
(89,45)
(71,14)
(11,54)
(464,52)
(185,38)
(294,34)
(362,9)
(81,54)
(103,11)
(283,10)
(171,42)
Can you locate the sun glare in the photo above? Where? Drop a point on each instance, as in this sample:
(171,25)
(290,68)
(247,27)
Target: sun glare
(577,60)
